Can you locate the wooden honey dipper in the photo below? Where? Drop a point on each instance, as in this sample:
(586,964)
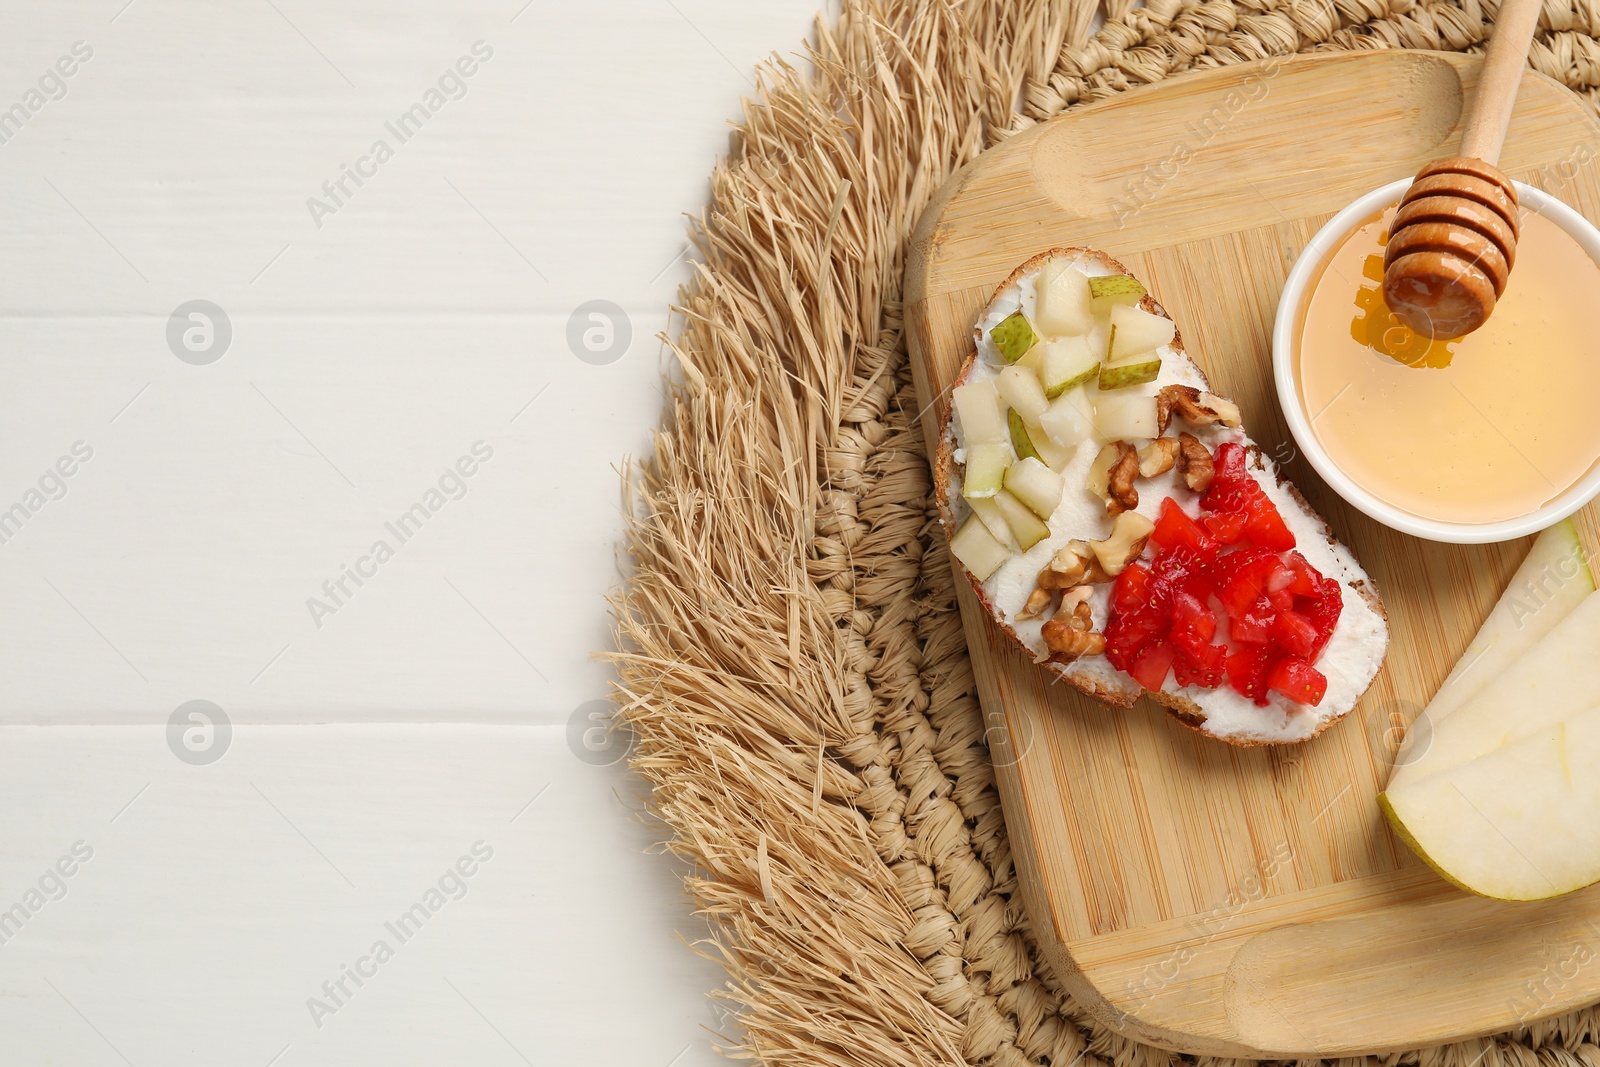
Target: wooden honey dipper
(1454,240)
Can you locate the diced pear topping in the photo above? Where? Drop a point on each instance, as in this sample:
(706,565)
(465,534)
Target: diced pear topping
(1036,485)
(986,468)
(1136,370)
(1019,386)
(1114,289)
(1055,456)
(1097,338)
(988,513)
(1126,417)
(1033,359)
(1063,300)
(977,549)
(1013,336)
(1021,439)
(1062,364)
(1069,421)
(1135,331)
(1029,440)
(1028,527)
(977,405)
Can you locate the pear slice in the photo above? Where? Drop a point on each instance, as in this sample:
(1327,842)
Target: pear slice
(977,405)
(1013,336)
(1055,456)
(1021,439)
(1111,289)
(977,549)
(1139,369)
(986,469)
(1030,441)
(1555,679)
(1126,417)
(1069,421)
(1135,331)
(1062,364)
(1036,485)
(1553,579)
(1098,337)
(988,513)
(1028,527)
(1063,299)
(1019,386)
(1520,822)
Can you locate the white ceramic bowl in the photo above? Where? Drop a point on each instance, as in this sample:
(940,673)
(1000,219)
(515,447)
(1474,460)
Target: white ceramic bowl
(1295,292)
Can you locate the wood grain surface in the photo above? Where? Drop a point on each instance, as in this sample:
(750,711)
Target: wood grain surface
(1202,897)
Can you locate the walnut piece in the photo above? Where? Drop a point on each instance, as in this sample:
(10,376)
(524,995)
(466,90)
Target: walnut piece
(1194,463)
(1073,565)
(1157,457)
(1072,617)
(1197,408)
(1068,635)
(1075,603)
(1127,539)
(1120,494)
(1100,470)
(1226,411)
(1074,568)
(1066,644)
(1038,600)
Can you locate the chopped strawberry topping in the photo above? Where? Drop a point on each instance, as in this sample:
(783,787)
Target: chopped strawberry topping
(1294,633)
(1235,492)
(1174,529)
(1253,626)
(1204,670)
(1248,575)
(1150,666)
(1297,680)
(1224,598)
(1225,526)
(1247,673)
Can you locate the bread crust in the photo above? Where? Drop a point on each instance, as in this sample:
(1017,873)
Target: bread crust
(1182,709)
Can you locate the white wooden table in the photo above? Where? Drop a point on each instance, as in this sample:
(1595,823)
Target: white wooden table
(224,384)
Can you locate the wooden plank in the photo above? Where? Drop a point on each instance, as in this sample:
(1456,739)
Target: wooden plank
(1212,899)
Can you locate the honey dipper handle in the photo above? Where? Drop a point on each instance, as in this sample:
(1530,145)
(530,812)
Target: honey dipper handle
(1499,78)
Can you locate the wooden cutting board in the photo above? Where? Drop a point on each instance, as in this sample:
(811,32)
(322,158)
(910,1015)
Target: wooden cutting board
(1212,899)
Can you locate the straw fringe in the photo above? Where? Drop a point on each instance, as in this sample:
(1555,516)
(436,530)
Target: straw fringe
(791,660)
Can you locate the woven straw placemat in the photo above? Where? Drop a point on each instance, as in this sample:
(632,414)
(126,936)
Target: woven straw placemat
(792,666)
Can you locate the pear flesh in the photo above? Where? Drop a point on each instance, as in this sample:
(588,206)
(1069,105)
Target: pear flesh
(1493,787)
(1521,822)
(1499,795)
(1553,579)
(1557,678)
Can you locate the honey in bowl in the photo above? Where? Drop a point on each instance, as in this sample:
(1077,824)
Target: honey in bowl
(1479,429)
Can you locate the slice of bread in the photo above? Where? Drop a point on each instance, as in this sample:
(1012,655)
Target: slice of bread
(1354,652)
